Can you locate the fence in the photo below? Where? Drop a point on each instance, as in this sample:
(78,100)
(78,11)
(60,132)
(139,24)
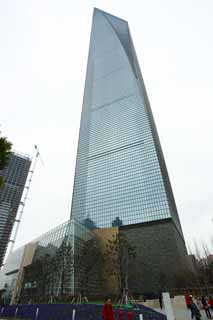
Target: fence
(82,312)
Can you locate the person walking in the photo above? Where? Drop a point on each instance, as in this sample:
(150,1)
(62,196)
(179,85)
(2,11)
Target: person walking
(187,300)
(120,315)
(195,312)
(160,298)
(108,313)
(206,307)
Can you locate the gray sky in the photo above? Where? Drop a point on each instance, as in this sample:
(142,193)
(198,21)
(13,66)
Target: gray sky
(43,54)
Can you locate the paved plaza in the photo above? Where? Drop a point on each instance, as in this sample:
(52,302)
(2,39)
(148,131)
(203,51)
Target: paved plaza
(184,314)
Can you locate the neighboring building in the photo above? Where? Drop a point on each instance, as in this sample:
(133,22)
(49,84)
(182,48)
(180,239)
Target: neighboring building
(15,176)
(121,177)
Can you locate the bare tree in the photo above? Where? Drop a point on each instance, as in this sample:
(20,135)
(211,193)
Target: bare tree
(88,261)
(201,276)
(49,274)
(119,256)
(64,266)
(36,279)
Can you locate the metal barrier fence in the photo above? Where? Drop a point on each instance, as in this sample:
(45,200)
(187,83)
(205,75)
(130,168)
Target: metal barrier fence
(76,312)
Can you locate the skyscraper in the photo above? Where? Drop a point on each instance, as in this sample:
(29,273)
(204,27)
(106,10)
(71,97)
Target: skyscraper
(120,170)
(15,176)
(121,176)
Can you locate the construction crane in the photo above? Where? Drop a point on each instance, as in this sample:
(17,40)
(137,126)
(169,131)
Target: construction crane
(23,202)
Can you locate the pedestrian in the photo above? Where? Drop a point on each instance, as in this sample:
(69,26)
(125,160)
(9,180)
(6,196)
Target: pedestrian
(130,315)
(187,300)
(120,315)
(210,302)
(206,307)
(160,300)
(195,312)
(108,313)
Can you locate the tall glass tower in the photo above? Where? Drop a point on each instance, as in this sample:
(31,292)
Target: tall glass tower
(120,170)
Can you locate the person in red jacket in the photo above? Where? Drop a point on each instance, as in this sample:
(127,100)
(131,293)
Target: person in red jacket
(187,299)
(108,313)
(120,315)
(130,315)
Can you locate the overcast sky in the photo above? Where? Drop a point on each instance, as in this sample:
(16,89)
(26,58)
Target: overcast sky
(43,54)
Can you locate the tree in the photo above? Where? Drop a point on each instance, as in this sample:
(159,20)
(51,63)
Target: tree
(199,272)
(88,262)
(49,274)
(64,266)
(119,255)
(36,279)
(5,152)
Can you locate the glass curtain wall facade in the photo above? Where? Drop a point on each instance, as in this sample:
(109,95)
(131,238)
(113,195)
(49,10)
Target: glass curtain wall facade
(9,274)
(120,169)
(15,176)
(51,244)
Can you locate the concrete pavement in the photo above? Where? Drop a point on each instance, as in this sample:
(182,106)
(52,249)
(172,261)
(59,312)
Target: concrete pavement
(184,313)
